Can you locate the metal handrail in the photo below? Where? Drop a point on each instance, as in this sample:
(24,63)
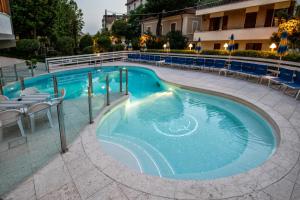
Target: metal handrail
(217,3)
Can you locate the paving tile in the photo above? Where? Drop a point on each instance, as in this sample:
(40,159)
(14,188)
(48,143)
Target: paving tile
(296,192)
(25,191)
(51,177)
(282,189)
(110,192)
(91,182)
(79,166)
(66,192)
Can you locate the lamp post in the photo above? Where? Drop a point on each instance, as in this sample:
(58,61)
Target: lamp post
(190,46)
(272,47)
(165,47)
(225,46)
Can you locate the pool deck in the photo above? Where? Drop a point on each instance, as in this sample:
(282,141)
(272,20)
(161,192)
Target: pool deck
(86,172)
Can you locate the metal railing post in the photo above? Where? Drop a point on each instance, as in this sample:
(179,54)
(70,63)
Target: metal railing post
(126,92)
(90,77)
(31,68)
(55,86)
(121,80)
(16,73)
(62,130)
(90,104)
(1,76)
(107,91)
(22,83)
(1,88)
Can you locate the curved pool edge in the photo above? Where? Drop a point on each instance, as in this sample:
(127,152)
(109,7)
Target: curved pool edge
(273,170)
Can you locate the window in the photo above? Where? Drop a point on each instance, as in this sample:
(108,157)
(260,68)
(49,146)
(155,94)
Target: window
(173,27)
(141,1)
(217,46)
(236,46)
(214,24)
(250,20)
(254,46)
(225,23)
(148,29)
(194,26)
(129,8)
(269,18)
(134,5)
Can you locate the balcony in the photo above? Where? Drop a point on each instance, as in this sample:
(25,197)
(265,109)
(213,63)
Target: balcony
(262,33)
(228,5)
(5,27)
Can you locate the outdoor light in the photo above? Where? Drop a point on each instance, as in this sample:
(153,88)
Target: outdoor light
(225,46)
(98,54)
(273,46)
(165,46)
(190,46)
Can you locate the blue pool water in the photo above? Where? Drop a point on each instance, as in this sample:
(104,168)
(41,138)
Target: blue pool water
(170,132)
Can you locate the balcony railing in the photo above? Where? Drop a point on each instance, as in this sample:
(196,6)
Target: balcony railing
(217,3)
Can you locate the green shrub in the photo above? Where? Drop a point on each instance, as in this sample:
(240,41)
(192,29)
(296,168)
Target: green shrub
(177,40)
(88,50)
(104,43)
(28,46)
(118,47)
(294,57)
(85,41)
(65,45)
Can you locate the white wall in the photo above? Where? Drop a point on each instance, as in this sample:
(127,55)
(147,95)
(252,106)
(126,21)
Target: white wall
(5,24)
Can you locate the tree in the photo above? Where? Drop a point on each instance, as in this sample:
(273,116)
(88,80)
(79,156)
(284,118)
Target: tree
(103,41)
(160,6)
(120,28)
(134,21)
(65,45)
(177,40)
(85,41)
(292,27)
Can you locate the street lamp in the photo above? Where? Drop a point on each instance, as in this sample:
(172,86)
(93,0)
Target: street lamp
(225,46)
(165,46)
(190,46)
(273,46)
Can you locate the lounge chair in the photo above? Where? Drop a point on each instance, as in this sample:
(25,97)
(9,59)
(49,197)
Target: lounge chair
(209,63)
(285,76)
(219,64)
(29,91)
(11,117)
(189,62)
(234,67)
(57,100)
(199,63)
(39,108)
(295,85)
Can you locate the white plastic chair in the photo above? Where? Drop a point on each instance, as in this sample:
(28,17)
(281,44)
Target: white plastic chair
(11,117)
(3,98)
(29,91)
(39,108)
(57,100)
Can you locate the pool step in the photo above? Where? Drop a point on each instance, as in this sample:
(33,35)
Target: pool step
(151,160)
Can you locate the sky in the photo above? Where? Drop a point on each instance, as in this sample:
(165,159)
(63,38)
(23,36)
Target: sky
(93,10)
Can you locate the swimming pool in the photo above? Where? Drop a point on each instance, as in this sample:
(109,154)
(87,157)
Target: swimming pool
(180,134)
(170,132)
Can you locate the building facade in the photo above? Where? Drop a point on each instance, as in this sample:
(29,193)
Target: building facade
(133,4)
(108,20)
(7,38)
(186,22)
(251,21)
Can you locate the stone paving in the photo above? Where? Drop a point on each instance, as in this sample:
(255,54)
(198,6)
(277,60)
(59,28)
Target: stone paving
(86,172)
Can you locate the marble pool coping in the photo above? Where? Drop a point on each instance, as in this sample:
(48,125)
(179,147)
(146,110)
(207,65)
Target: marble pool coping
(273,170)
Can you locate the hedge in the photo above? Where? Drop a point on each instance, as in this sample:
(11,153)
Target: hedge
(294,57)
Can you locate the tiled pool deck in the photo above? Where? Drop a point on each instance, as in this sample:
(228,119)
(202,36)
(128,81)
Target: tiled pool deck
(85,172)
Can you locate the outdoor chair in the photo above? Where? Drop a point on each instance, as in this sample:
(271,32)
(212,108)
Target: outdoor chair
(295,85)
(11,117)
(57,100)
(209,63)
(285,76)
(234,67)
(219,64)
(199,63)
(37,109)
(29,91)
(3,98)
